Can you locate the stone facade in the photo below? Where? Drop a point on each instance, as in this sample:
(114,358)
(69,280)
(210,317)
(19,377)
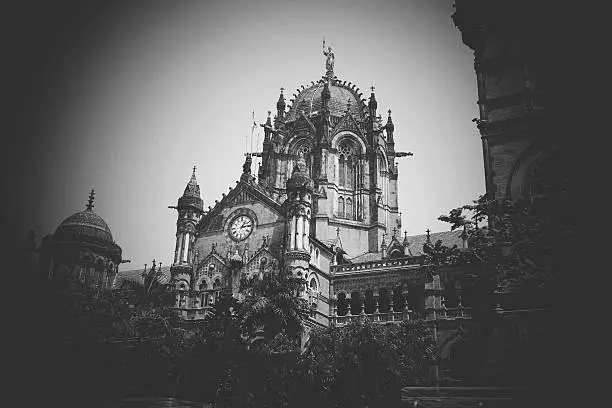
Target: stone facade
(524,140)
(81,251)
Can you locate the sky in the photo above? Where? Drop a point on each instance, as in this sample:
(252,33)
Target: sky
(125,97)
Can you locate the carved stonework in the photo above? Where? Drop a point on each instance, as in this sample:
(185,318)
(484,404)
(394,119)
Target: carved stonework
(347,123)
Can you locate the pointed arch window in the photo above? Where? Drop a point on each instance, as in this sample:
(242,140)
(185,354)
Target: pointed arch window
(342,170)
(349,208)
(341,207)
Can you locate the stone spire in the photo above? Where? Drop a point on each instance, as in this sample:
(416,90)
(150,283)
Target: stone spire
(390,128)
(90,201)
(190,208)
(192,189)
(280,106)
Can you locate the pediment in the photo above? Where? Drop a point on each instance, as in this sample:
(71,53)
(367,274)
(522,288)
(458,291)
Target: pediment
(348,123)
(244,193)
(303,122)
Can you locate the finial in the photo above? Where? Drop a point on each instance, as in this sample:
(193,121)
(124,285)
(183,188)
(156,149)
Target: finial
(394,231)
(282,89)
(90,203)
(194,169)
(428,237)
(338,231)
(372,88)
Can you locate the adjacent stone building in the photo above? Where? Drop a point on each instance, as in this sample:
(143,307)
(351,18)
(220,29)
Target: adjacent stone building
(81,251)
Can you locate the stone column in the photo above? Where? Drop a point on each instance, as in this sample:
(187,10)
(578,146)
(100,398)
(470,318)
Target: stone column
(300,230)
(362,303)
(291,244)
(306,232)
(177,248)
(186,247)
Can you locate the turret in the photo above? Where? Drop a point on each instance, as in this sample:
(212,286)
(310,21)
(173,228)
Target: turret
(390,128)
(372,124)
(298,208)
(190,209)
(280,109)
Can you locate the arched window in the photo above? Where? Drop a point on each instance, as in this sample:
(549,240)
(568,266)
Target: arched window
(217,284)
(347,162)
(342,304)
(313,284)
(349,209)
(342,170)
(355,303)
(203,285)
(341,207)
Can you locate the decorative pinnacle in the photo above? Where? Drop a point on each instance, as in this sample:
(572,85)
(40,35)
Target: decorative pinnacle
(90,203)
(194,169)
(372,88)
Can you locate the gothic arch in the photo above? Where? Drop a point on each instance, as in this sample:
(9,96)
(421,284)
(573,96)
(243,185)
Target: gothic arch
(352,136)
(299,143)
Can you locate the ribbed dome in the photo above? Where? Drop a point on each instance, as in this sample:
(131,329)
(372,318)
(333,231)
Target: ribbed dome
(84,223)
(309,100)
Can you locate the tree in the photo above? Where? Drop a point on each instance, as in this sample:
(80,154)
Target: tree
(363,364)
(517,253)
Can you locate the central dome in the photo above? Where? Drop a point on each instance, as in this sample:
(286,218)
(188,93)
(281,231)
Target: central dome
(84,223)
(310,101)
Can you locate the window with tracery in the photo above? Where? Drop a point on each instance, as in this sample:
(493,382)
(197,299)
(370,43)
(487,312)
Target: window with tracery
(350,178)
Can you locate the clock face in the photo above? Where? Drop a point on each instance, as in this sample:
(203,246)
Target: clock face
(241,227)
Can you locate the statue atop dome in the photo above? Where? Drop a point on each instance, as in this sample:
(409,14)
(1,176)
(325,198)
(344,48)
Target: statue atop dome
(329,62)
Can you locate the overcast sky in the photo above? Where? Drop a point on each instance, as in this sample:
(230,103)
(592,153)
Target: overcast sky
(126,97)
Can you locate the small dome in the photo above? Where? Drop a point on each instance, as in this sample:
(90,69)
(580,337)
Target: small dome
(85,223)
(310,100)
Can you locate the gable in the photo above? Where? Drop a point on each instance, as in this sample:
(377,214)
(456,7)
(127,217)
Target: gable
(210,269)
(244,195)
(348,123)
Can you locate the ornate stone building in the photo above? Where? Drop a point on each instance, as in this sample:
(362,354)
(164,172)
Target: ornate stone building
(324,206)
(81,251)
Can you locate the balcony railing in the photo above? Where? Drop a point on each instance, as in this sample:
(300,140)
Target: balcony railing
(388,317)
(387,263)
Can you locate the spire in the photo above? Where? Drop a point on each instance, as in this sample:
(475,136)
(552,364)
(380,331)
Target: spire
(192,189)
(373,104)
(325,94)
(405,238)
(390,126)
(269,120)
(90,204)
(280,105)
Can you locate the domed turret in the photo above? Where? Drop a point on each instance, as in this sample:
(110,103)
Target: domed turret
(82,249)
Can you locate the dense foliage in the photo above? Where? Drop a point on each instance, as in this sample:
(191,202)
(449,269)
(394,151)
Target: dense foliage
(101,346)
